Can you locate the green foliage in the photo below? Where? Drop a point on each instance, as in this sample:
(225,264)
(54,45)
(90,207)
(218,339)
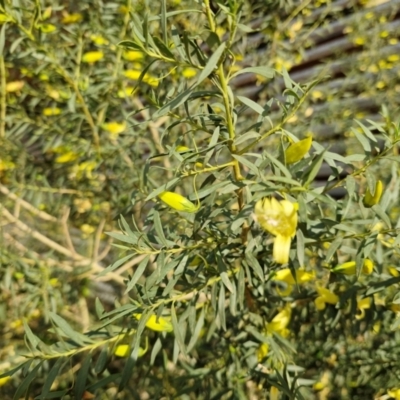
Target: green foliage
(112,108)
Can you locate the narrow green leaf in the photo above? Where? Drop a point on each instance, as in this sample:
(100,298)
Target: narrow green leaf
(314,168)
(68,331)
(33,339)
(363,140)
(379,211)
(263,71)
(2,38)
(251,104)
(117,264)
(138,273)
(51,377)
(157,346)
(255,265)
(159,229)
(177,330)
(163,48)
(226,281)
(300,247)
(24,385)
(128,44)
(211,63)
(367,132)
(99,308)
(333,247)
(221,307)
(174,103)
(247,136)
(197,331)
(80,384)
(163,20)
(162,188)
(247,163)
(241,288)
(107,381)
(102,361)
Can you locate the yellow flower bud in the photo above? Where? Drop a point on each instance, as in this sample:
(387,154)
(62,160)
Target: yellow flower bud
(51,111)
(349,268)
(47,28)
(14,86)
(71,18)
(114,128)
(92,57)
(160,324)
(132,55)
(177,202)
(182,149)
(369,199)
(296,151)
(189,72)
(124,350)
(4,380)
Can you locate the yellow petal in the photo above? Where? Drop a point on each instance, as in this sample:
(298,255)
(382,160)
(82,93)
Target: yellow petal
(177,202)
(362,305)
(278,218)
(92,57)
(4,380)
(296,151)
(182,149)
(285,275)
(348,268)
(320,303)
(66,157)
(189,72)
(71,18)
(281,249)
(394,393)
(327,295)
(14,86)
(51,111)
(262,351)
(114,127)
(124,350)
(47,28)
(369,199)
(280,321)
(132,55)
(160,324)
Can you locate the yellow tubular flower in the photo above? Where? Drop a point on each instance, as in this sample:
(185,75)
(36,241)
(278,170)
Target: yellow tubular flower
(369,199)
(296,151)
(280,219)
(349,268)
(92,56)
(325,296)
(177,202)
(160,324)
(280,322)
(362,305)
(124,350)
(14,86)
(285,275)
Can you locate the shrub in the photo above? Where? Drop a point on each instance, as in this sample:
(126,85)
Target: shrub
(241,278)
